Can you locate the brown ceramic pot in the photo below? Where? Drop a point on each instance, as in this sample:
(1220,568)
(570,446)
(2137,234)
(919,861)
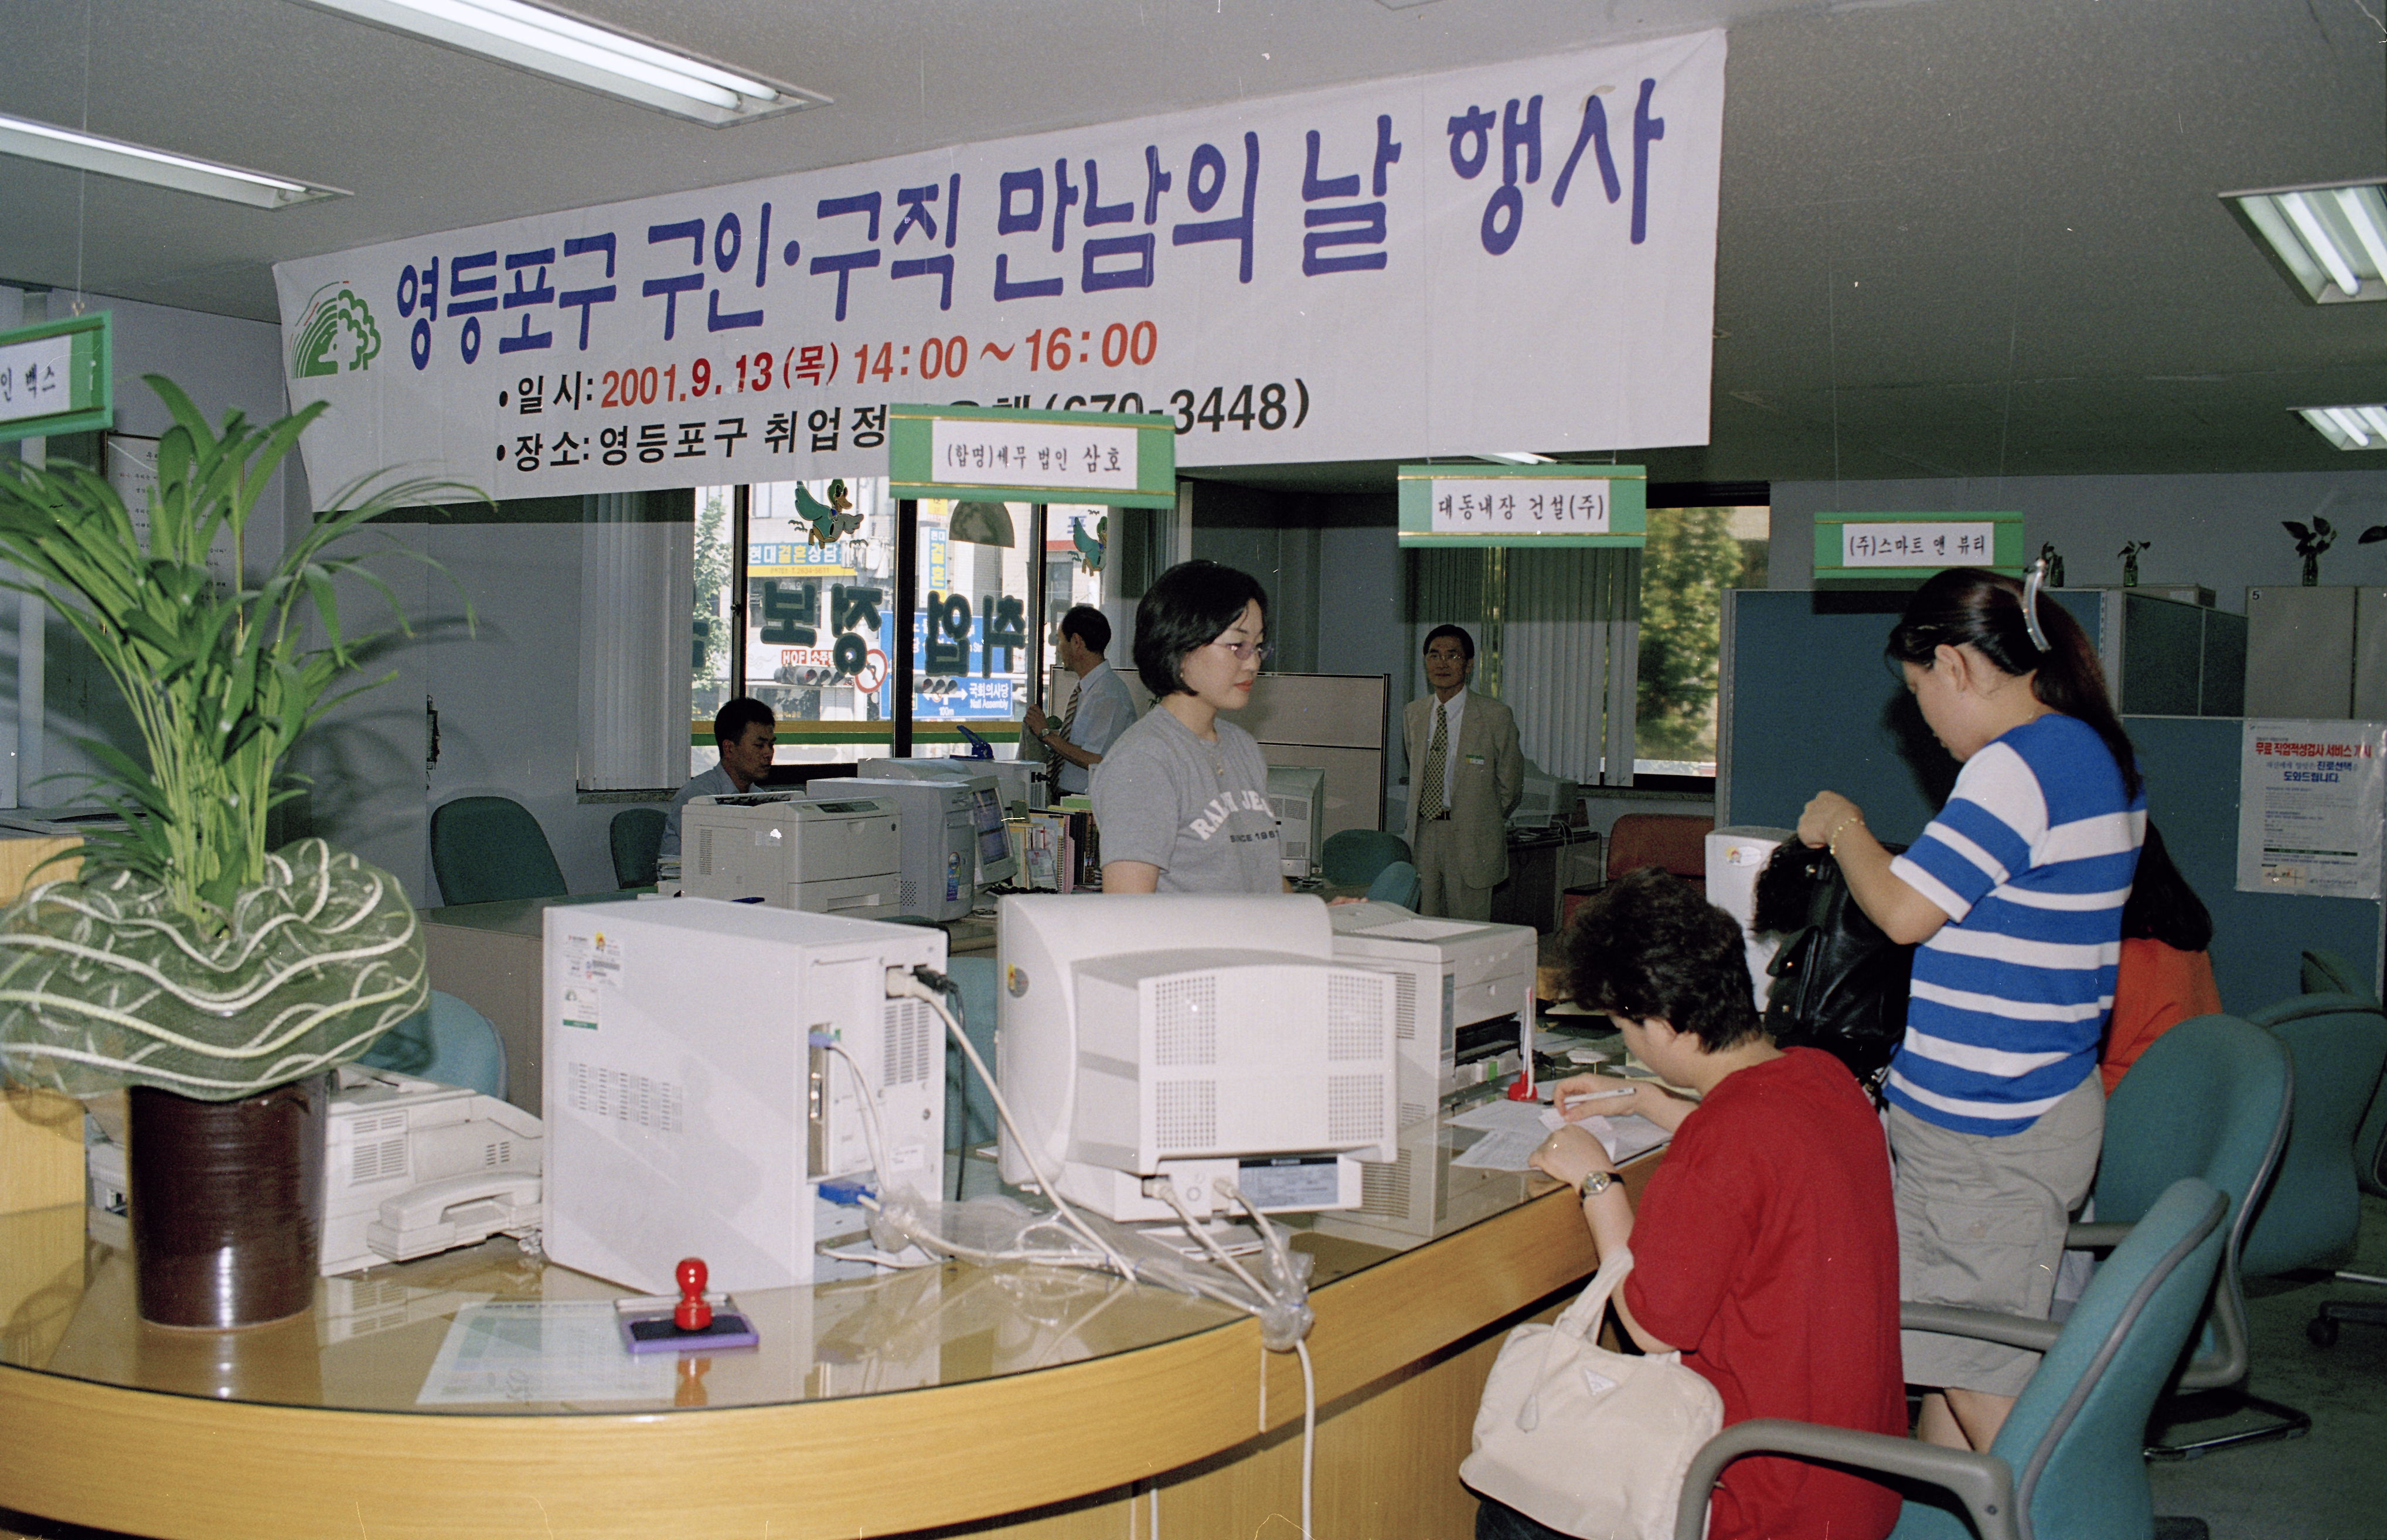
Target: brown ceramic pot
(227,1201)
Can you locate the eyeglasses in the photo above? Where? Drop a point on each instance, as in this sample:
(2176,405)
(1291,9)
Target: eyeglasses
(1246,651)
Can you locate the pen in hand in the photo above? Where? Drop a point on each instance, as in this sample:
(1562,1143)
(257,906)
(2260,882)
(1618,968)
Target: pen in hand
(1597,1095)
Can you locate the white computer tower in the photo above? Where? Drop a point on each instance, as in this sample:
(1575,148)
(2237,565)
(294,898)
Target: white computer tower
(938,876)
(1464,996)
(693,1097)
(1736,857)
(1296,794)
(830,854)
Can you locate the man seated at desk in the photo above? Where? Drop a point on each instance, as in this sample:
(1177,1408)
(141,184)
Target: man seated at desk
(1099,709)
(748,735)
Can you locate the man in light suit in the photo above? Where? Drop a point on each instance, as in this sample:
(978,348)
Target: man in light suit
(1466,776)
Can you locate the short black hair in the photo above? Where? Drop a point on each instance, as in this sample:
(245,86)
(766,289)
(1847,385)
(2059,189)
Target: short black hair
(729,724)
(1466,643)
(1186,608)
(1090,626)
(1648,945)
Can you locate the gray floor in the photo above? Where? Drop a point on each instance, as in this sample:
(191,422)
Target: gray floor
(2331,1484)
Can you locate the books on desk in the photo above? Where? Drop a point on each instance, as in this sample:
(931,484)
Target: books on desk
(1063,852)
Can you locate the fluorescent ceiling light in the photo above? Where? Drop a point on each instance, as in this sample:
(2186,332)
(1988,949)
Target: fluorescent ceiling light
(2362,427)
(2330,239)
(1517,457)
(580,53)
(117,158)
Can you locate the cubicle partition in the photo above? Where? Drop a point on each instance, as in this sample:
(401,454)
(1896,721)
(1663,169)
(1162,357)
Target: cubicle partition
(1807,703)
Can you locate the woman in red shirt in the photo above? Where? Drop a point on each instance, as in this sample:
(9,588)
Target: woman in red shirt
(2167,971)
(1766,1244)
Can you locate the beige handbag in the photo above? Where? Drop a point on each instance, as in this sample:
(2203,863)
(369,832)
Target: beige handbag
(1589,1442)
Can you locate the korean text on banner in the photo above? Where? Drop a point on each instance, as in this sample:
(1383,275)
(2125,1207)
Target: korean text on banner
(1519,256)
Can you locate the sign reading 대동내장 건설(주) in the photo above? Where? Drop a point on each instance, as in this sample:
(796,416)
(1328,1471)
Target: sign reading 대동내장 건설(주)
(2310,799)
(1511,257)
(1523,505)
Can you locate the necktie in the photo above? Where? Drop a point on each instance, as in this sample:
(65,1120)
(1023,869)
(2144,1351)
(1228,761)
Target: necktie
(1431,802)
(1053,759)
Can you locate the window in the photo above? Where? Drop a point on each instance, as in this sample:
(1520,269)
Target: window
(818,610)
(971,653)
(1604,654)
(813,634)
(1693,555)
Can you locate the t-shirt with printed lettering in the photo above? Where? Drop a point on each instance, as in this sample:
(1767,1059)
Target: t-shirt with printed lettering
(1196,810)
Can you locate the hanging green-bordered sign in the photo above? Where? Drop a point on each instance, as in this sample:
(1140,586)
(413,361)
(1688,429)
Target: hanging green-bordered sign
(1115,460)
(1902,546)
(57,377)
(1523,505)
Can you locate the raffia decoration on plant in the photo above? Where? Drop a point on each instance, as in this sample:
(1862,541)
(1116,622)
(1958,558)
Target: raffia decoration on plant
(105,983)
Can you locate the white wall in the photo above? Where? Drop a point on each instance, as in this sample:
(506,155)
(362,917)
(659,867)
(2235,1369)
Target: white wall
(2222,530)
(222,364)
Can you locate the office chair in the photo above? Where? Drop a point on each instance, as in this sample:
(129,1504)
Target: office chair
(2066,1465)
(2313,1211)
(2327,973)
(448,1041)
(635,835)
(489,848)
(1355,855)
(1397,883)
(1675,841)
(2210,1099)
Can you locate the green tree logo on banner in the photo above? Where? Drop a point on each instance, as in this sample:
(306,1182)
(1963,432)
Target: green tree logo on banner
(336,333)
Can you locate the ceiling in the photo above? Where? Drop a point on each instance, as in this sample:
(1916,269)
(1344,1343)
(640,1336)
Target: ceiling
(1958,237)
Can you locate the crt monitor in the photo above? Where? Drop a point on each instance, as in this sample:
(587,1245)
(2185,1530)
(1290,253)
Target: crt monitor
(1186,1039)
(997,862)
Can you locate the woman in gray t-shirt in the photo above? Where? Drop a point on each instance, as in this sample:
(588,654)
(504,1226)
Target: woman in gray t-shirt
(1181,797)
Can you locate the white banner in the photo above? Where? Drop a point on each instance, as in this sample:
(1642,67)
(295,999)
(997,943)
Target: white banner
(1518,256)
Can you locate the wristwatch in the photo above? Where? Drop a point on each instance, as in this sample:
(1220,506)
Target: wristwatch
(1594,1182)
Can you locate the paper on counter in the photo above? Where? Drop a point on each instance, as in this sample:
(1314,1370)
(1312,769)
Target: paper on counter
(541,1350)
(1498,1117)
(1508,1144)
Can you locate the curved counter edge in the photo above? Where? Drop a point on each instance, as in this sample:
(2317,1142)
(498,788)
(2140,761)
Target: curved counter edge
(185,1468)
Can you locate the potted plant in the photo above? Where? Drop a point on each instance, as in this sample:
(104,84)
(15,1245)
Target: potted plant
(218,981)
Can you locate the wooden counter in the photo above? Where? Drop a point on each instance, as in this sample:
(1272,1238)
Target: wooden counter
(127,1427)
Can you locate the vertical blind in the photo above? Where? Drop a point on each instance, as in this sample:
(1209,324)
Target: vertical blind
(636,578)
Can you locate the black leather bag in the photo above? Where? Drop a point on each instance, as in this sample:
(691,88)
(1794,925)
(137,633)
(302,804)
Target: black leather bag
(1839,984)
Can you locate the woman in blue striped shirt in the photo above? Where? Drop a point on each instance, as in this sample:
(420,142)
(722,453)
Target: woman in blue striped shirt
(2014,894)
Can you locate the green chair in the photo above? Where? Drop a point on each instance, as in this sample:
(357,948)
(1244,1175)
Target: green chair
(1355,855)
(1397,883)
(485,850)
(2210,1099)
(635,835)
(2327,973)
(2313,1212)
(2067,1462)
(448,1041)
